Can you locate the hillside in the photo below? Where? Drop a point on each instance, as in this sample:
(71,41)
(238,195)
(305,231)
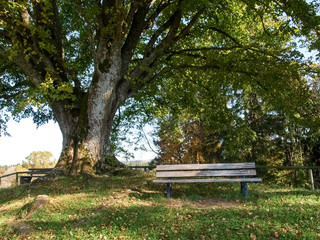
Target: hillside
(129,206)
(7,181)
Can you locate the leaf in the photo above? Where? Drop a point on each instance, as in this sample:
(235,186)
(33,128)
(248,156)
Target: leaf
(253,236)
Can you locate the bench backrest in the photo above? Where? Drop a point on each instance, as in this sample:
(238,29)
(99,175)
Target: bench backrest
(206,170)
(39,170)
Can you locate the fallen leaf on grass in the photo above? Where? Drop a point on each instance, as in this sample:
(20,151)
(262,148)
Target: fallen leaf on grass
(253,236)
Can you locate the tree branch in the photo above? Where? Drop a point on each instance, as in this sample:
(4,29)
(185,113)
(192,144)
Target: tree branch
(137,26)
(159,31)
(162,5)
(4,34)
(34,75)
(225,34)
(89,26)
(130,15)
(25,16)
(186,30)
(203,49)
(4,53)
(153,53)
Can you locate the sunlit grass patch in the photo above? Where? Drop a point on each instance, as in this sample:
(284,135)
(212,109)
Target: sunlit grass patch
(132,207)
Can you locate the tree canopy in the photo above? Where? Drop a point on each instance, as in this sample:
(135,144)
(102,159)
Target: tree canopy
(78,61)
(39,159)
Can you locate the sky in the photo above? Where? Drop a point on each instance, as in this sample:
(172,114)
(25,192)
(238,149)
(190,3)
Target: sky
(26,138)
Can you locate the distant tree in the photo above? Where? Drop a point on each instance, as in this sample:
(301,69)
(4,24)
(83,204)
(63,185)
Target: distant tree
(39,159)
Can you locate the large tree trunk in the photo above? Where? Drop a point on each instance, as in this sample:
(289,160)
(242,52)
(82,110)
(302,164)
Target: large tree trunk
(86,132)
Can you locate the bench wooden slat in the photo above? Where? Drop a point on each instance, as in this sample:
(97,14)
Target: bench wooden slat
(216,166)
(219,173)
(207,180)
(34,173)
(33,176)
(196,173)
(40,169)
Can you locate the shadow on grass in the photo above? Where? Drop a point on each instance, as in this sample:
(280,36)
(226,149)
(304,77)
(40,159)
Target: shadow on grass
(95,211)
(138,222)
(73,185)
(13,193)
(143,188)
(160,222)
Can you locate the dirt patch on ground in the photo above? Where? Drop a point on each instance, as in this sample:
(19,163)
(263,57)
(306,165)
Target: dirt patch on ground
(23,227)
(126,198)
(215,203)
(8,181)
(205,203)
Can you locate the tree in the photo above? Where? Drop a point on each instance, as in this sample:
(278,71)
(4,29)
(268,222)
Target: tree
(39,159)
(78,61)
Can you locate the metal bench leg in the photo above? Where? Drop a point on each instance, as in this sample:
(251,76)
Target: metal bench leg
(244,189)
(169,188)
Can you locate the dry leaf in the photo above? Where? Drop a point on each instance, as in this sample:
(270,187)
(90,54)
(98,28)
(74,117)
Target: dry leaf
(253,236)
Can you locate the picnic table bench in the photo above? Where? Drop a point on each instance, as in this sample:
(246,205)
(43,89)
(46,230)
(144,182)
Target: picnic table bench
(196,173)
(34,173)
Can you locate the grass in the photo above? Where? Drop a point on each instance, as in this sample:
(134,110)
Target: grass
(130,206)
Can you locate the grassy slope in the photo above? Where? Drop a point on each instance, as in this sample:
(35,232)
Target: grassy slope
(132,207)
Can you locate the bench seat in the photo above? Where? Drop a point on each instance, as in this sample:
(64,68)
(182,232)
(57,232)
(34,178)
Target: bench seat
(34,173)
(207,180)
(197,173)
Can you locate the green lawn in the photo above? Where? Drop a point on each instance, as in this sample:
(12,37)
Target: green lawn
(132,207)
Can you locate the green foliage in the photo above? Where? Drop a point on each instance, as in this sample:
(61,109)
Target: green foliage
(39,159)
(183,61)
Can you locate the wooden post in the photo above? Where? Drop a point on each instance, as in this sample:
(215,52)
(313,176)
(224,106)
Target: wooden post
(311,179)
(17,178)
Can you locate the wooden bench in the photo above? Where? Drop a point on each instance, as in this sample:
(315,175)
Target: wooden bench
(195,173)
(34,173)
